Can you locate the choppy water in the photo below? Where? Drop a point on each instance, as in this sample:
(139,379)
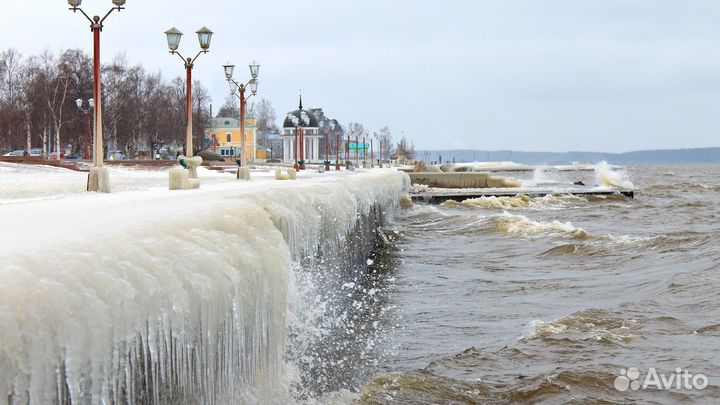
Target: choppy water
(546,300)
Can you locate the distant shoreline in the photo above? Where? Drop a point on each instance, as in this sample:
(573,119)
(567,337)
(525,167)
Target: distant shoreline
(658,156)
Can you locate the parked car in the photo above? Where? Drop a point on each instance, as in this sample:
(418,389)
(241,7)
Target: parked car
(36,152)
(116,155)
(56,156)
(19,152)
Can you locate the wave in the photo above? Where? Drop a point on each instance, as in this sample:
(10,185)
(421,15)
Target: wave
(559,387)
(569,250)
(523,226)
(682,187)
(710,330)
(518,201)
(553,201)
(588,324)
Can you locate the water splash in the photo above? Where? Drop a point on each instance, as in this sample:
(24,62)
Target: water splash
(609,176)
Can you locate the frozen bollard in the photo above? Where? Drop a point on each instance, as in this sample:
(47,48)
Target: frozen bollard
(243,173)
(179,179)
(193,183)
(280,176)
(191,164)
(98,180)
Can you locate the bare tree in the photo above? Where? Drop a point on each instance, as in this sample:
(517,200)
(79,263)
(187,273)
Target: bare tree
(405,149)
(56,84)
(10,99)
(355,129)
(385,142)
(201,113)
(231,108)
(37,99)
(266,117)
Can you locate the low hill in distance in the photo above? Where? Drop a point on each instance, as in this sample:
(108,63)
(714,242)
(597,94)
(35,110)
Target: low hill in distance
(660,156)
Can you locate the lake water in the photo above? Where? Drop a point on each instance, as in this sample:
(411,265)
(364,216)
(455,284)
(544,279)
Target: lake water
(557,300)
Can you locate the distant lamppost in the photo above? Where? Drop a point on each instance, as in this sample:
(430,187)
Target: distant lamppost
(337,152)
(328,128)
(173,39)
(98,178)
(365,148)
(380,143)
(299,122)
(240,88)
(357,149)
(91,105)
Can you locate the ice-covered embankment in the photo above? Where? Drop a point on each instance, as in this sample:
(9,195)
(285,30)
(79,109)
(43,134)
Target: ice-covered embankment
(159,297)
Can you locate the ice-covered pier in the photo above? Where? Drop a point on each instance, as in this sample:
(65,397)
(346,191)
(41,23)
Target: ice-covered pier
(438,196)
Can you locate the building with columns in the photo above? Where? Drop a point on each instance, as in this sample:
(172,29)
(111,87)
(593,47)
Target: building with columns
(312,137)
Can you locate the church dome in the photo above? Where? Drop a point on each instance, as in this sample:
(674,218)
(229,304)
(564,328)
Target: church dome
(287,123)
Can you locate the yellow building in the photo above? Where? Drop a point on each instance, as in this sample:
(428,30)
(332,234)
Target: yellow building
(224,137)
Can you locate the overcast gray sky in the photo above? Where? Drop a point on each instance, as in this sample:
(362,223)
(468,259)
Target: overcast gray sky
(539,75)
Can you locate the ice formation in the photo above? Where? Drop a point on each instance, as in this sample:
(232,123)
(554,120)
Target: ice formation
(155,297)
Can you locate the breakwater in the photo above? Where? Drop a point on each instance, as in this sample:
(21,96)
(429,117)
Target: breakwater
(158,298)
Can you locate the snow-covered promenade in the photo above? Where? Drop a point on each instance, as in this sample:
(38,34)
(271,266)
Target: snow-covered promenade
(186,289)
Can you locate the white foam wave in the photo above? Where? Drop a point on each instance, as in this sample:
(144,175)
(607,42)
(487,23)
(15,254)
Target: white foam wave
(610,176)
(523,226)
(588,324)
(540,177)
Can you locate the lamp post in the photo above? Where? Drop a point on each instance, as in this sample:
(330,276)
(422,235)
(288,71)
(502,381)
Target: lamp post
(337,152)
(91,105)
(357,149)
(365,148)
(381,151)
(238,89)
(173,39)
(98,178)
(328,127)
(299,122)
(296,166)
(302,147)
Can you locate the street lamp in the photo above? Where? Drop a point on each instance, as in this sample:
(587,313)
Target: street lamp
(238,89)
(174,36)
(337,147)
(98,178)
(365,148)
(382,145)
(328,128)
(86,111)
(302,121)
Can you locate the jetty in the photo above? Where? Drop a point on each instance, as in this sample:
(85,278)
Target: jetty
(435,196)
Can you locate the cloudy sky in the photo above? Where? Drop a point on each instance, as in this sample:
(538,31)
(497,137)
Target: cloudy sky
(537,75)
